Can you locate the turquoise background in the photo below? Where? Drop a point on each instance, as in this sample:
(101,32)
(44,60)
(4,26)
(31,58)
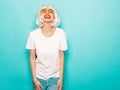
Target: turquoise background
(93,31)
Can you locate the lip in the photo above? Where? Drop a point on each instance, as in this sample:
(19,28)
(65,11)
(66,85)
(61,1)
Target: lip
(47,16)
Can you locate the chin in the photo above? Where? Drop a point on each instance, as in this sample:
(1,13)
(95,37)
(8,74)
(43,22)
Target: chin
(48,21)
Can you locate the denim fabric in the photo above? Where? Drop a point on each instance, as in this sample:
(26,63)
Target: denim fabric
(49,84)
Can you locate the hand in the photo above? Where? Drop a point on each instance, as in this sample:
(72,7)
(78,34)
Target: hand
(59,84)
(37,84)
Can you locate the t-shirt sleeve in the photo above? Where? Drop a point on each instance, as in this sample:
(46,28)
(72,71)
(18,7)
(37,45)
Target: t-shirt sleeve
(30,42)
(63,42)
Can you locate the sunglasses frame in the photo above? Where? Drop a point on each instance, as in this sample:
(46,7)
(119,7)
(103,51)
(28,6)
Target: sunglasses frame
(45,10)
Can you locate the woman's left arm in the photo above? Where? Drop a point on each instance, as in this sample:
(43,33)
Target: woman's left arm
(61,64)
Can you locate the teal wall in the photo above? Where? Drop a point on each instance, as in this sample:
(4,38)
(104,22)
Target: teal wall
(93,31)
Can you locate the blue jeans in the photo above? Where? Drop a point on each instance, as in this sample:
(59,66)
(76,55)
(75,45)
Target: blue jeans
(49,84)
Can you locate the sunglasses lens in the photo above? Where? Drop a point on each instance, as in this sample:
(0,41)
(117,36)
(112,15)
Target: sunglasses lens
(43,10)
(51,11)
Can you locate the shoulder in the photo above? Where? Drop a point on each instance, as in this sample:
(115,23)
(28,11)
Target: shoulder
(60,31)
(34,32)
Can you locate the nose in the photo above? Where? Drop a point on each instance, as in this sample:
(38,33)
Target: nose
(47,12)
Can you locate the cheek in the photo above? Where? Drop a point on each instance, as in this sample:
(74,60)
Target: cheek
(53,17)
(42,15)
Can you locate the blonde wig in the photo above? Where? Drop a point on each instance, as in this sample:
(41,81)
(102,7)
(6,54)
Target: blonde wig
(40,22)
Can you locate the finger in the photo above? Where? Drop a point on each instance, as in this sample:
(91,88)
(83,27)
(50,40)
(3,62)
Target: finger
(60,88)
(57,85)
(57,88)
(37,88)
(40,85)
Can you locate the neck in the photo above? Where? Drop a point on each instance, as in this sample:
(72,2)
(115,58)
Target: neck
(47,27)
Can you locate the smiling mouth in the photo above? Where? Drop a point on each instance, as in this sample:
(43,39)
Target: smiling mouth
(47,16)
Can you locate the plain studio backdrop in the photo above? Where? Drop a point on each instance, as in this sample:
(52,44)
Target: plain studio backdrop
(92,61)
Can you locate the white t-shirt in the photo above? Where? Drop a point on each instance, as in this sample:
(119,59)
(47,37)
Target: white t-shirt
(47,51)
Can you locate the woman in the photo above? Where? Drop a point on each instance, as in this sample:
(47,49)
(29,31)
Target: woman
(47,45)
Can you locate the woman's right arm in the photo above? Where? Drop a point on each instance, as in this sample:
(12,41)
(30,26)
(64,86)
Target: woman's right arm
(32,63)
(33,69)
